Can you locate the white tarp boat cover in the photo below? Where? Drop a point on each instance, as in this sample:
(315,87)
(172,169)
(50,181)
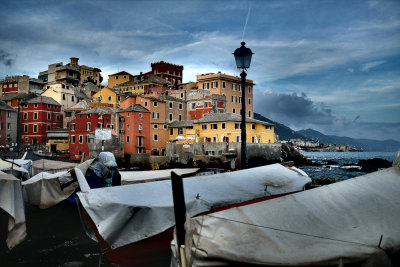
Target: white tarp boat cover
(129,213)
(11,201)
(330,225)
(45,189)
(133,177)
(15,168)
(51,166)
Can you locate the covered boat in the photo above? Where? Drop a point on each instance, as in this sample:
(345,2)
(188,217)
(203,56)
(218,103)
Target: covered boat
(354,222)
(134,177)
(12,203)
(133,223)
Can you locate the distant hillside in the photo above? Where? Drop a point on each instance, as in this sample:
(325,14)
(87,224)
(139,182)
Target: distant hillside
(364,144)
(284,132)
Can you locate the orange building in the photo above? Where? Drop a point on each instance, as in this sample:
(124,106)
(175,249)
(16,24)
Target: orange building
(136,129)
(230,86)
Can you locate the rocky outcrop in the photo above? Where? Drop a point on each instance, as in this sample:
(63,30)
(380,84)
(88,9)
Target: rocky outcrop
(372,165)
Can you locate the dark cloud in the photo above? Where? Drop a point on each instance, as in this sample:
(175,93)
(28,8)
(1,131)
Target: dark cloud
(292,109)
(300,112)
(6,59)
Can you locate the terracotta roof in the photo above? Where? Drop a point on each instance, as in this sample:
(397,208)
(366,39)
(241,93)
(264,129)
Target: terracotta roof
(121,73)
(4,106)
(44,100)
(176,124)
(100,110)
(220,117)
(136,107)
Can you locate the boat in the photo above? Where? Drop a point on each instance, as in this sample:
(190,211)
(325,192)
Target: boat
(349,223)
(134,223)
(134,177)
(41,153)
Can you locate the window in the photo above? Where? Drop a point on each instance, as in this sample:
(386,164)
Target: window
(140,127)
(249,89)
(237,125)
(238,139)
(180,130)
(155,126)
(72,98)
(156,115)
(214,139)
(233,99)
(180,106)
(223,84)
(48,127)
(206,104)
(80,139)
(206,85)
(233,86)
(72,126)
(179,117)
(25,128)
(25,116)
(63,96)
(223,125)
(8,126)
(249,113)
(87,139)
(88,116)
(240,99)
(234,110)
(35,116)
(170,116)
(88,126)
(240,87)
(249,101)
(171,131)
(128,127)
(35,105)
(116,77)
(204,126)
(214,84)
(109,98)
(8,114)
(48,116)
(140,115)
(214,126)
(268,127)
(48,106)
(165,126)
(26,139)
(253,126)
(145,104)
(127,114)
(181,95)
(155,104)
(170,105)
(72,139)
(127,138)
(155,137)
(193,105)
(35,128)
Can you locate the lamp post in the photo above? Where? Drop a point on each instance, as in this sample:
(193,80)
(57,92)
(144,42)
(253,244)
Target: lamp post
(243,58)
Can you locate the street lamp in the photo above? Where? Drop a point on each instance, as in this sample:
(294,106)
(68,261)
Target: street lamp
(243,58)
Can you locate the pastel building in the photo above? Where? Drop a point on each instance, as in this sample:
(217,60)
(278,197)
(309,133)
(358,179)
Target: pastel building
(230,86)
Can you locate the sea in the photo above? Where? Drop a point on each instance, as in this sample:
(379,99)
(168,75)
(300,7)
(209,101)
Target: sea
(347,163)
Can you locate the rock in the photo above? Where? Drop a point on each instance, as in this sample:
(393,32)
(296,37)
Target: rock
(372,165)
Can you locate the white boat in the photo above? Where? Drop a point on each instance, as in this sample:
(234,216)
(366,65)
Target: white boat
(134,177)
(133,223)
(354,222)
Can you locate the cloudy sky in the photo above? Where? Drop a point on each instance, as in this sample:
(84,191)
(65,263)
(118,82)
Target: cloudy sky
(333,66)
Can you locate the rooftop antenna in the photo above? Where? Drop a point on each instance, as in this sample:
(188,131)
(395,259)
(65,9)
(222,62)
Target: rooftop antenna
(247,19)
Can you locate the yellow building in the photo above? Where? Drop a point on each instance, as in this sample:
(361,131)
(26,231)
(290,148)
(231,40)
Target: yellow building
(230,86)
(221,127)
(142,84)
(109,97)
(118,78)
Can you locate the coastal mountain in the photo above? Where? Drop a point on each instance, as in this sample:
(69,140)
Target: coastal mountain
(286,133)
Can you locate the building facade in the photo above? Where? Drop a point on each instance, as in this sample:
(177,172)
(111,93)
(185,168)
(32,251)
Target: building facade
(230,86)
(39,115)
(20,85)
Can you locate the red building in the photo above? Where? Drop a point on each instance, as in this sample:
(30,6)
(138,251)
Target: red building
(210,104)
(84,123)
(170,72)
(136,129)
(38,115)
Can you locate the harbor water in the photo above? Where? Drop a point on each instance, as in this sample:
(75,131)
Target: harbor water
(340,165)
